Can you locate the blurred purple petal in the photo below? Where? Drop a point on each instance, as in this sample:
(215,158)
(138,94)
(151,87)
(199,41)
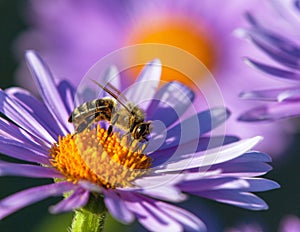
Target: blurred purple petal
(271,112)
(277,72)
(267,94)
(290,223)
(274,52)
(290,95)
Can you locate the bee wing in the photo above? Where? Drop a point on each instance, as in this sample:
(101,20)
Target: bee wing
(143,90)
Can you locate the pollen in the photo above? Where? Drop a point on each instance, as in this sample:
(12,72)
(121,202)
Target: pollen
(110,162)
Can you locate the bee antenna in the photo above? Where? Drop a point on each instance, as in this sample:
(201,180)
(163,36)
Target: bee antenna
(112,94)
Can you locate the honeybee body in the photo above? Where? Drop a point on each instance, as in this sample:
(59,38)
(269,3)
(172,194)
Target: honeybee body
(90,112)
(126,116)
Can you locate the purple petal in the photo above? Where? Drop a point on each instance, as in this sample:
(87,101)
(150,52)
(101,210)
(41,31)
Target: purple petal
(203,184)
(253,156)
(117,207)
(289,95)
(148,215)
(277,72)
(161,187)
(267,94)
(143,90)
(284,44)
(210,157)
(23,153)
(274,51)
(260,185)
(163,155)
(248,164)
(24,118)
(26,197)
(36,108)
(10,131)
(48,90)
(240,199)
(11,169)
(77,200)
(157,216)
(67,92)
(89,186)
(189,221)
(195,126)
(243,169)
(271,112)
(170,102)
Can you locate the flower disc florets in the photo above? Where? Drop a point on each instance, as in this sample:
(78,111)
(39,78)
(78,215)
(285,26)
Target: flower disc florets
(106,161)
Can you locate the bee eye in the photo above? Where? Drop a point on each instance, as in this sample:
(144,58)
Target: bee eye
(141,130)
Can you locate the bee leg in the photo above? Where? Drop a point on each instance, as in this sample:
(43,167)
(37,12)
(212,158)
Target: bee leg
(110,128)
(109,131)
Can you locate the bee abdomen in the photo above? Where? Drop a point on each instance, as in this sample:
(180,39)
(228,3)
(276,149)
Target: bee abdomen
(83,110)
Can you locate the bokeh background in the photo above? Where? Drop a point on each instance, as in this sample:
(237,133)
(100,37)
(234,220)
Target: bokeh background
(36,218)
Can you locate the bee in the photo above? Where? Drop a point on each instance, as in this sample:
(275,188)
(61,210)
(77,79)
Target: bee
(124,115)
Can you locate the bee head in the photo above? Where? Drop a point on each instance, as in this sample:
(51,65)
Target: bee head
(141,131)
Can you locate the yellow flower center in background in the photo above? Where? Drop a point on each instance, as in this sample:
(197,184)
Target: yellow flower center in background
(181,33)
(107,162)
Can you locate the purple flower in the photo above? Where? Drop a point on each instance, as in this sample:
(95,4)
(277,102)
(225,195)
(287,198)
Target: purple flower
(72,36)
(280,43)
(289,223)
(135,184)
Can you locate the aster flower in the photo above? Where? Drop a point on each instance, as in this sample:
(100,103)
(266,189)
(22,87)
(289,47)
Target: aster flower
(132,183)
(281,45)
(73,36)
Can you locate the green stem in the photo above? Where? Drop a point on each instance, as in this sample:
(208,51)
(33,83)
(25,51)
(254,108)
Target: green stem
(91,218)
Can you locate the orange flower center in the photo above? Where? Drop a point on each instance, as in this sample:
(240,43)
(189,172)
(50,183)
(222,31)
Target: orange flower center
(179,32)
(107,162)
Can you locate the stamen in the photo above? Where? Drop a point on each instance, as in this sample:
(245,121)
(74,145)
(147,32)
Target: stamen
(110,162)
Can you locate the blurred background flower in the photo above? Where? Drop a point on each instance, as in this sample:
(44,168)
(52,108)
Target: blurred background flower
(280,44)
(22,16)
(289,223)
(72,36)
